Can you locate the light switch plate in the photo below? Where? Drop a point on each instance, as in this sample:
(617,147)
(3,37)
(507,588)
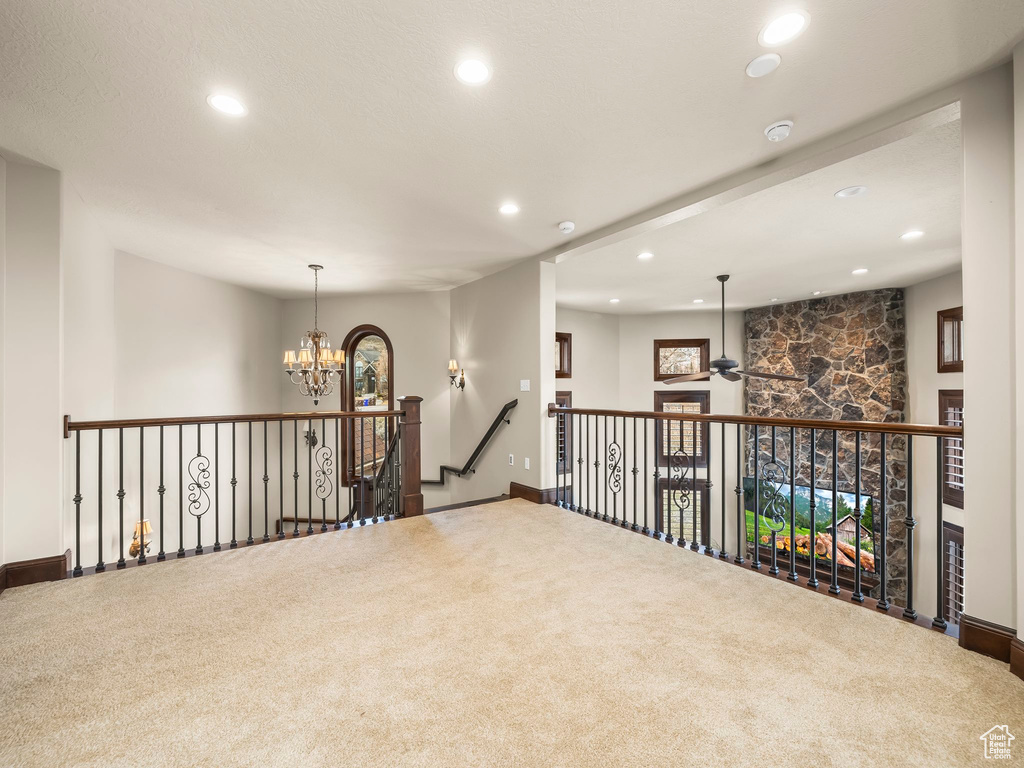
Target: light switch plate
(524,385)
(526,463)
(511,460)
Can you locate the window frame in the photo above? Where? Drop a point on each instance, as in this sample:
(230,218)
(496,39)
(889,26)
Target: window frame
(951,398)
(952,553)
(563,399)
(348,474)
(957,365)
(700,396)
(704,345)
(564,342)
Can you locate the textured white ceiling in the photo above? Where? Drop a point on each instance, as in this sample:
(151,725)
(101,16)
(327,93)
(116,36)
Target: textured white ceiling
(792,239)
(362,152)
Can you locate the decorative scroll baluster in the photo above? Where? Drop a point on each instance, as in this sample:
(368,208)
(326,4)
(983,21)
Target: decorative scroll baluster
(77,570)
(939,621)
(120,497)
(181,493)
(216,487)
(234,488)
(910,523)
(100,566)
(883,595)
(741,512)
(266,488)
(680,466)
(324,463)
(792,504)
(722,553)
(771,478)
(249,539)
(141,559)
(812,579)
(199,498)
(834,586)
(161,490)
(614,472)
(858,594)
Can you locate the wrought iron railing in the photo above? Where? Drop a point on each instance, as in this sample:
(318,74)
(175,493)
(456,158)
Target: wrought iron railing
(186,486)
(791,481)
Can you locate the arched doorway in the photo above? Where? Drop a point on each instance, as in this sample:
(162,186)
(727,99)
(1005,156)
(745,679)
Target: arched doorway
(368,387)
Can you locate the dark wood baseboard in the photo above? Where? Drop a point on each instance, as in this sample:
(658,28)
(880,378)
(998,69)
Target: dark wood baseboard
(465,504)
(1017,657)
(24,572)
(536,495)
(987,638)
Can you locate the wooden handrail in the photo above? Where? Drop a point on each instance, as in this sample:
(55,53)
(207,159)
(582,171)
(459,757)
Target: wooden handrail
(886,427)
(81,426)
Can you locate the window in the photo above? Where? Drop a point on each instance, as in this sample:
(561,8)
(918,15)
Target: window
(951,340)
(951,414)
(564,400)
(688,513)
(563,355)
(953,568)
(368,387)
(688,436)
(674,357)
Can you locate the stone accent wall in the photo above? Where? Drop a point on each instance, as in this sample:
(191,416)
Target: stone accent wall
(852,349)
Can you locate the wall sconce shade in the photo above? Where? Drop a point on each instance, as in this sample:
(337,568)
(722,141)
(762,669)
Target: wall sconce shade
(453,366)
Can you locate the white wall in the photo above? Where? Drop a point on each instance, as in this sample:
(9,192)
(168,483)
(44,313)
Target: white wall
(502,332)
(595,356)
(1018,101)
(924,381)
(33,360)
(418,326)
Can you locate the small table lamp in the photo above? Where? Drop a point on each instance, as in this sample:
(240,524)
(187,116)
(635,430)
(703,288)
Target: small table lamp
(142,531)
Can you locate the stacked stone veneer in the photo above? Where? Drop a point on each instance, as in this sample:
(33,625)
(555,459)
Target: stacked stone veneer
(852,349)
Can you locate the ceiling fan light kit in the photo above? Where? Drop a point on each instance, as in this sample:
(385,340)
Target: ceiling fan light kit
(726,367)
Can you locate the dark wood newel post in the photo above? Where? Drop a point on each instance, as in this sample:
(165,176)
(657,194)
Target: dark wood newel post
(412,497)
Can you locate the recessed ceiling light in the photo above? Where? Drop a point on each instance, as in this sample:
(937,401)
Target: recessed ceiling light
(851,192)
(229,105)
(645,256)
(472,72)
(613,301)
(816,293)
(698,301)
(859,271)
(779,131)
(567,227)
(509,209)
(774,299)
(912,234)
(781,30)
(763,65)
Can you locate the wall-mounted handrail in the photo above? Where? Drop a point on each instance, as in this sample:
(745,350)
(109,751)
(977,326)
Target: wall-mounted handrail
(877,427)
(501,417)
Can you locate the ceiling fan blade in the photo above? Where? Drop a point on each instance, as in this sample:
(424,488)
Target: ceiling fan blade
(702,376)
(731,376)
(760,375)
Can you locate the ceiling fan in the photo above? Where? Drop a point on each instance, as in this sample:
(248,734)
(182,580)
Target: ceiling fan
(725,367)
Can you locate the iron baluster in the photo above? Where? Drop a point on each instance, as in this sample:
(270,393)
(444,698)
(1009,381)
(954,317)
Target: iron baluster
(309,470)
(636,472)
(181,493)
(248,487)
(234,488)
(337,452)
(295,474)
(280,480)
(373,445)
(197,484)
(161,490)
(645,530)
(216,487)
(604,453)
(325,467)
(883,598)
(741,512)
(774,567)
(812,579)
(939,621)
(722,553)
(834,586)
(756,565)
(141,559)
(792,504)
(77,570)
(698,537)
(100,566)
(705,531)
(120,496)
(858,594)
(910,522)
(266,488)
(586,501)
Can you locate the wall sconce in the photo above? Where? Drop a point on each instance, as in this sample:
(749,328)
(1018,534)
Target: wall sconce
(453,366)
(140,538)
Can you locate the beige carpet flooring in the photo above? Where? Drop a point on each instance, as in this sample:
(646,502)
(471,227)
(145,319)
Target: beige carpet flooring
(504,635)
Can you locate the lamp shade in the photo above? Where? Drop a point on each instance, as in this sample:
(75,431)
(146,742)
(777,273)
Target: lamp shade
(339,357)
(305,357)
(325,356)
(145,527)
(289,357)
(453,366)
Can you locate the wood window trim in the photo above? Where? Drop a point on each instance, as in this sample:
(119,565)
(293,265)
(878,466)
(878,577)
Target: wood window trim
(705,355)
(950,398)
(356,335)
(564,341)
(701,396)
(955,314)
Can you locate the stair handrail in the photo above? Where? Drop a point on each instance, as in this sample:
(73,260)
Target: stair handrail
(468,468)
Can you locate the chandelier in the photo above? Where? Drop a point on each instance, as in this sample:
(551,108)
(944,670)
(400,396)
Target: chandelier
(317,366)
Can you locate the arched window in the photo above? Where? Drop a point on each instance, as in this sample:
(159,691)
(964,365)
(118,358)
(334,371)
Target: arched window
(368,386)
